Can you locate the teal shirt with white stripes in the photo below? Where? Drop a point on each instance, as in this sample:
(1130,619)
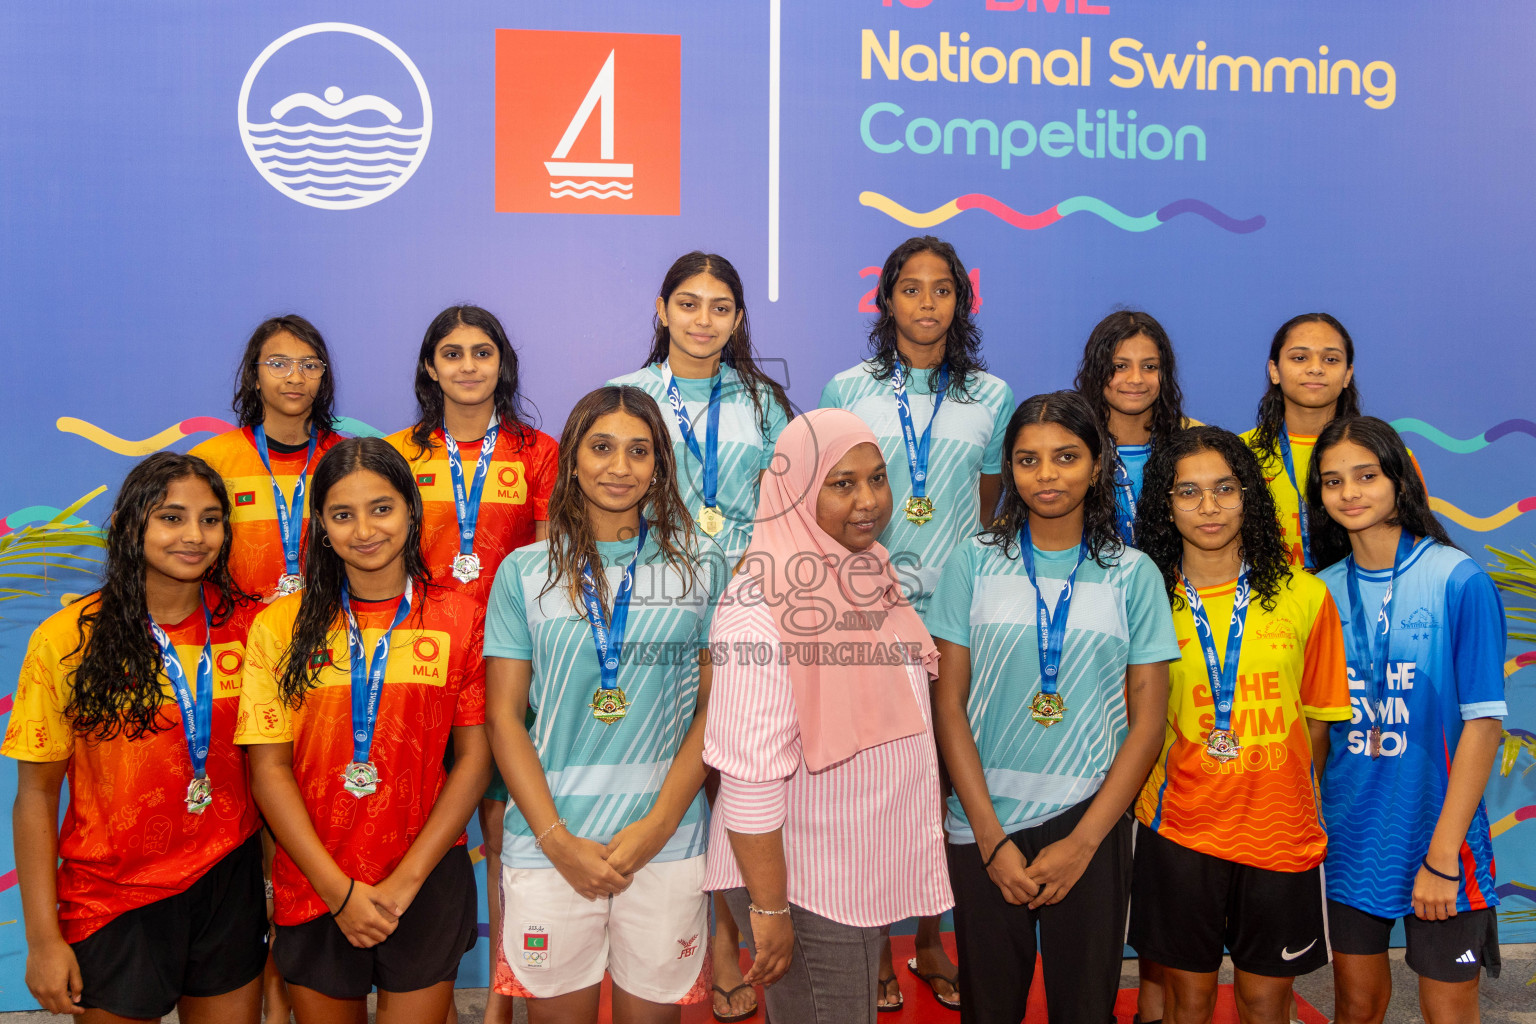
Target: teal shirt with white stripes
(604,777)
(1119,617)
(967,442)
(745,449)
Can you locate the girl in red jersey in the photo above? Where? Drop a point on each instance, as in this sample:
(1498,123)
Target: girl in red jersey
(284,395)
(353,688)
(149,897)
(476,510)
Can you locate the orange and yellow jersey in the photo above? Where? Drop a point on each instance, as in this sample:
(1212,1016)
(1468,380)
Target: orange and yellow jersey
(516,494)
(256,553)
(1259,809)
(128,839)
(435,680)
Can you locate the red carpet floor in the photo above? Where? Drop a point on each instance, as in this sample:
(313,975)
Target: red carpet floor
(921,1008)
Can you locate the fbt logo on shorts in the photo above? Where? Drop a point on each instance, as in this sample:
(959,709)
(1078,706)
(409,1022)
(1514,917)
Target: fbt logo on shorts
(587,122)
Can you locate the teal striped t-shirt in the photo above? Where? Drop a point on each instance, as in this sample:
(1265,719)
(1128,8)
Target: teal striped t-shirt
(1119,617)
(744,449)
(967,442)
(604,777)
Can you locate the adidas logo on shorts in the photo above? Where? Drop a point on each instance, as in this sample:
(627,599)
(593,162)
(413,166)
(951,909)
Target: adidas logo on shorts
(1466,958)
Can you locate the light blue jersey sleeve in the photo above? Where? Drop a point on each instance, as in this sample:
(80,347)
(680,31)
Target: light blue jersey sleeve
(949,614)
(777,421)
(992,458)
(1477,642)
(506,618)
(831,396)
(1153,638)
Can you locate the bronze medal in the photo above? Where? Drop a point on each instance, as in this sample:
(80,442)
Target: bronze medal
(1222,744)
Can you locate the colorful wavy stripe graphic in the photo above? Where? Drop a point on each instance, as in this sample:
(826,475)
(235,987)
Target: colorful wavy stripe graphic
(179,431)
(1065,208)
(1458,445)
(1482,524)
(1519,662)
(169,436)
(1509,889)
(1513,818)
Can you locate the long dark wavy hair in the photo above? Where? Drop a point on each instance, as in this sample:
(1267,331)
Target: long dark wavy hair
(117,690)
(1072,412)
(962,346)
(1097,369)
(1260,540)
(572,545)
(247,404)
(325,572)
(1330,540)
(511,405)
(1271,419)
(739,354)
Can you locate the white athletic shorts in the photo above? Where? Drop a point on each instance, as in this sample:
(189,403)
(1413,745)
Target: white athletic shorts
(653,937)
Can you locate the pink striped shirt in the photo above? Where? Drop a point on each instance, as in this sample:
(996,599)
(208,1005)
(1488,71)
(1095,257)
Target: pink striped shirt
(863,839)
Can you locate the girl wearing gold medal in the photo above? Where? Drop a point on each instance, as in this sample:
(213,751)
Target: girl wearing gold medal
(1230,840)
(130,695)
(939,417)
(601,631)
(353,689)
(483,495)
(1054,639)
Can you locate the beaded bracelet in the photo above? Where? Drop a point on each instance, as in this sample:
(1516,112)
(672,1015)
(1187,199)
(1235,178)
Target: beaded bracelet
(538,841)
(754,908)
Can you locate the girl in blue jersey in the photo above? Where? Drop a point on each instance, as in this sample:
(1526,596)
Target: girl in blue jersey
(1402,793)
(1129,376)
(1052,698)
(938,416)
(724,416)
(601,631)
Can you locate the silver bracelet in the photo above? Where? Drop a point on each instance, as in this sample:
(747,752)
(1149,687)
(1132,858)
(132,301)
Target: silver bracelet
(754,908)
(538,842)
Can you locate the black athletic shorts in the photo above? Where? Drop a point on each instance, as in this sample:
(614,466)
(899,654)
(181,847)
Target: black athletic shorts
(1451,950)
(205,941)
(1187,905)
(434,933)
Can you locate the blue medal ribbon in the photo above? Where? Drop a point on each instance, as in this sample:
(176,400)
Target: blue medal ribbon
(1051,628)
(709,457)
(368,674)
(917,451)
(609,638)
(1370,661)
(196,712)
(1221,671)
(1301,501)
(468,502)
(290,517)
(1125,508)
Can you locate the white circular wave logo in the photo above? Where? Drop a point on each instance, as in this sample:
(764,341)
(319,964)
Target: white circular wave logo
(339,121)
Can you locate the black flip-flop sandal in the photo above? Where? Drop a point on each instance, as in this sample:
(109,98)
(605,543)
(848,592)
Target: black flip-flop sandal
(928,979)
(900,999)
(731,1018)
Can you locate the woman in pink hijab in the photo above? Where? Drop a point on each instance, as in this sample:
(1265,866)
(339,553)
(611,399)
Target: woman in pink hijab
(827,823)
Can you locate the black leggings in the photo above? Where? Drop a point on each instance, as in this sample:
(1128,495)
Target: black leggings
(1082,938)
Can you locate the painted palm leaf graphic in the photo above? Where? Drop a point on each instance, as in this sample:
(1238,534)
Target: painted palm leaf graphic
(42,551)
(1516,575)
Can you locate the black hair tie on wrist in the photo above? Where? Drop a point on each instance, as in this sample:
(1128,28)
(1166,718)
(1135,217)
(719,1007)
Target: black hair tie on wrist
(351,884)
(1437,874)
(1001,843)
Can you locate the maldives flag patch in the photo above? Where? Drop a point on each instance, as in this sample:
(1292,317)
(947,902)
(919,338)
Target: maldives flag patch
(535,941)
(425,479)
(320,659)
(245,498)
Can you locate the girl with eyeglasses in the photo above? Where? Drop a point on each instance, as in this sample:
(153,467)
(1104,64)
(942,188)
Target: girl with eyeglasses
(1230,839)
(1409,837)
(284,398)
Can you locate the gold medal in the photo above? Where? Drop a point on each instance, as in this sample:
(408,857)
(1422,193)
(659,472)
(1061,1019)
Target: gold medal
(710,519)
(919,510)
(608,704)
(1047,709)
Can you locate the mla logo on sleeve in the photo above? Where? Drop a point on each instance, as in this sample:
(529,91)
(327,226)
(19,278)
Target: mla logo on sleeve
(335,116)
(587,122)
